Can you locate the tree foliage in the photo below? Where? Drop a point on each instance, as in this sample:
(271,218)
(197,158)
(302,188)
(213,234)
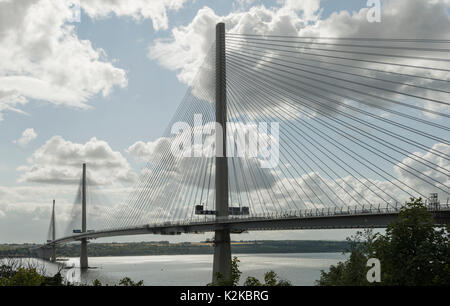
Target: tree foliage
(235,275)
(270,278)
(126,281)
(17,272)
(411,252)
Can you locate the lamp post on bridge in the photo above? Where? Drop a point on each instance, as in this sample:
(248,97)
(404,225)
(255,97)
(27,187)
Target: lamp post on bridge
(222,247)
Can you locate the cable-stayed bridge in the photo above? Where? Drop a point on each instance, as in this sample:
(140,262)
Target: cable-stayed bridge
(279,132)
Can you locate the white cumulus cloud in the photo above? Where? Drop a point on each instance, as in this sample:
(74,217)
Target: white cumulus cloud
(143,151)
(44,59)
(188,45)
(27,136)
(59,161)
(156,10)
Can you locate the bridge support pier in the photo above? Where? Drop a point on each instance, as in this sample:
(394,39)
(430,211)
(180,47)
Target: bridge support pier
(84,255)
(222,247)
(53,257)
(222,256)
(44,253)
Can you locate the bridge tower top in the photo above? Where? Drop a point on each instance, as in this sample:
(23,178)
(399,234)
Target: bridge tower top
(222,247)
(221,119)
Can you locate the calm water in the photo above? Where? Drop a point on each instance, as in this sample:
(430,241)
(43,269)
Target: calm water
(299,268)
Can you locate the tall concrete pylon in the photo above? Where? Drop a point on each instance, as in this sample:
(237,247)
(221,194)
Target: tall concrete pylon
(53,258)
(222,247)
(83,253)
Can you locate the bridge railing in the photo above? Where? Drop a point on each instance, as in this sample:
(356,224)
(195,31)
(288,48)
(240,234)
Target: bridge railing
(308,213)
(292,214)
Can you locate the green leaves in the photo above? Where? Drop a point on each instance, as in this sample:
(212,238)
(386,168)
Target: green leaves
(411,252)
(24,277)
(270,278)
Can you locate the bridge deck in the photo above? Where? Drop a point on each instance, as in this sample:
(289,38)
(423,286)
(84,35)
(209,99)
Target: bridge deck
(318,219)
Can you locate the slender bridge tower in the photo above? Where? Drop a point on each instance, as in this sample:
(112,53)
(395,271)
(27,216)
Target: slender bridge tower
(53,229)
(83,253)
(222,247)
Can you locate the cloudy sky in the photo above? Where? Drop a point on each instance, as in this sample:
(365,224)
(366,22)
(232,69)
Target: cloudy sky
(101,86)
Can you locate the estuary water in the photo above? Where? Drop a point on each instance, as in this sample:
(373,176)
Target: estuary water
(195,270)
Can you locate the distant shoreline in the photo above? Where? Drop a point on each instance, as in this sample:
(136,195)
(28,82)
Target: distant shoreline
(182,248)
